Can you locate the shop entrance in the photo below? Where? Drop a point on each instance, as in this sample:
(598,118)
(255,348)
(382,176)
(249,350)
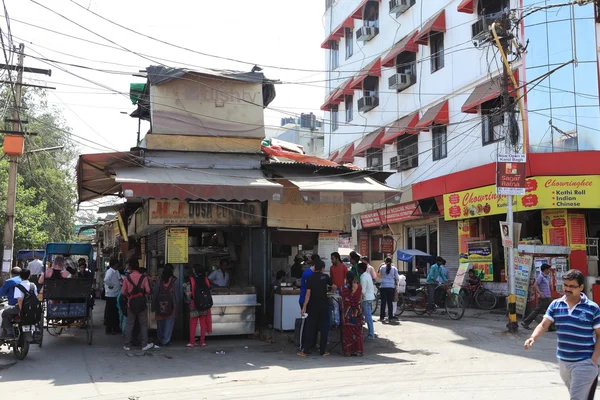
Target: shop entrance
(425,239)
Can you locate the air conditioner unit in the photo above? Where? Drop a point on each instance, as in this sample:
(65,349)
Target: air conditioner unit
(367,103)
(366,33)
(401,81)
(408,163)
(399,6)
(481,29)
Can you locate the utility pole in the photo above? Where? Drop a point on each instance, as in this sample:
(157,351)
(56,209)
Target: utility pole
(17,133)
(503,41)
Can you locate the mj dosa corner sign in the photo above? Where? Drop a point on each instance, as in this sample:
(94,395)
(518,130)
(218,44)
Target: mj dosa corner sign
(179,212)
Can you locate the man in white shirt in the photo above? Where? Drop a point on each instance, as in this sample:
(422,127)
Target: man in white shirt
(368,295)
(8,313)
(36,267)
(220,277)
(112,287)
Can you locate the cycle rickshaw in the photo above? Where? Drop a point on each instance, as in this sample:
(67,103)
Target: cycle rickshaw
(68,302)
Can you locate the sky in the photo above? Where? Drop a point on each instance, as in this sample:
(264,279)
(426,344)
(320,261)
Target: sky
(276,33)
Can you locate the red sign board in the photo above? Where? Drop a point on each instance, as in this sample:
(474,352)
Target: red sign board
(370,219)
(512,174)
(387,245)
(401,212)
(363,243)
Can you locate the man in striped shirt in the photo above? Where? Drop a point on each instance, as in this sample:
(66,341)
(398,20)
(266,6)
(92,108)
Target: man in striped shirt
(577,318)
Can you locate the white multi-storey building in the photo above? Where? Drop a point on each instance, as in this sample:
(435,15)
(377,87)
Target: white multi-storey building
(414,88)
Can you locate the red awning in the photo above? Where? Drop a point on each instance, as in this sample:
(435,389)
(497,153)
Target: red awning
(406,44)
(338,32)
(485,92)
(404,125)
(373,69)
(467,6)
(333,156)
(345,155)
(371,141)
(438,114)
(435,24)
(358,12)
(337,95)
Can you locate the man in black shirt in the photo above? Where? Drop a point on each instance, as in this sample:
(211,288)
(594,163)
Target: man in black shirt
(316,305)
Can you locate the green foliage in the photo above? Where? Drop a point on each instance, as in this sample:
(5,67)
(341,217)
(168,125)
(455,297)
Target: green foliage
(46,196)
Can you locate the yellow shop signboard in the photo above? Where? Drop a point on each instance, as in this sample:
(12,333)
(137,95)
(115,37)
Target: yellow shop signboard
(543,192)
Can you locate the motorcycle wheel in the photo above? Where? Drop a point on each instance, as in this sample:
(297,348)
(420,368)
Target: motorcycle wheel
(21,348)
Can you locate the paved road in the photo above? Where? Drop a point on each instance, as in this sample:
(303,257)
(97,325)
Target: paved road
(422,358)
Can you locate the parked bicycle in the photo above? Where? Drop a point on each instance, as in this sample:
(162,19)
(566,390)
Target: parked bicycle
(444,296)
(484,298)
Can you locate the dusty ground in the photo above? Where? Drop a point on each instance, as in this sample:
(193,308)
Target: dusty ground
(422,358)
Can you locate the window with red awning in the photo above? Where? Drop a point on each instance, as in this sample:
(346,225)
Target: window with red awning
(435,24)
(406,44)
(405,125)
(371,141)
(438,115)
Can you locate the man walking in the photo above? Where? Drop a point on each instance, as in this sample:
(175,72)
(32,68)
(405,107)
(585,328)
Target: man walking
(36,268)
(368,295)
(338,271)
(577,319)
(542,287)
(112,288)
(317,306)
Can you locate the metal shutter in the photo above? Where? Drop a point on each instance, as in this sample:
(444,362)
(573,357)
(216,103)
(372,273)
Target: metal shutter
(448,237)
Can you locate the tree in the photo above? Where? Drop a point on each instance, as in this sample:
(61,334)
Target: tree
(46,196)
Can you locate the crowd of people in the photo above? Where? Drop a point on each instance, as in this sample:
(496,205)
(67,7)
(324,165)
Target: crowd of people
(343,300)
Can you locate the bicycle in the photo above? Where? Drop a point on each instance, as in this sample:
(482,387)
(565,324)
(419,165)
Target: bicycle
(375,303)
(484,298)
(445,296)
(418,302)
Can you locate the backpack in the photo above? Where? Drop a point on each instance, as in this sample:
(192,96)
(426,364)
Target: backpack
(137,298)
(202,297)
(31,309)
(164,300)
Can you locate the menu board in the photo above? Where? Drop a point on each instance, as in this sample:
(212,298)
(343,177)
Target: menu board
(522,272)
(554,227)
(177,246)
(577,232)
(328,243)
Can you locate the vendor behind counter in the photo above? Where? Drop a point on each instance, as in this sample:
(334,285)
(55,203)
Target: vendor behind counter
(220,277)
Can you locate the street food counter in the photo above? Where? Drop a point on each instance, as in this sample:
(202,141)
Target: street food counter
(286,308)
(233,311)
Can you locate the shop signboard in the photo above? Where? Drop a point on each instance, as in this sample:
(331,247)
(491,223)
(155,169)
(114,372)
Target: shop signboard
(522,265)
(363,243)
(554,227)
(542,192)
(577,237)
(370,219)
(182,213)
(398,213)
(177,245)
(511,174)
(387,245)
(506,234)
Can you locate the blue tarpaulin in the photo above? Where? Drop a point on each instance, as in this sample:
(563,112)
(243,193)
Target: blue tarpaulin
(408,255)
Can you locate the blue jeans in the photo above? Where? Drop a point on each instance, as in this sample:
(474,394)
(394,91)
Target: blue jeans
(366,308)
(336,310)
(164,330)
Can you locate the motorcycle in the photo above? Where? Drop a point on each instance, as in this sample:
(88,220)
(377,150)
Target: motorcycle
(24,336)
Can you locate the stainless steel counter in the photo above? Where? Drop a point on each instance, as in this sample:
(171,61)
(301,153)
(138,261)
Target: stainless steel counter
(233,314)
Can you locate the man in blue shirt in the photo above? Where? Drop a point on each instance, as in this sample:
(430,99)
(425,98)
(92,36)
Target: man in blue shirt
(8,288)
(577,319)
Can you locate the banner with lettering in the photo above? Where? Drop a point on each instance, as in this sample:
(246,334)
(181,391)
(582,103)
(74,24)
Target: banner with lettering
(180,212)
(554,227)
(543,192)
(577,237)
